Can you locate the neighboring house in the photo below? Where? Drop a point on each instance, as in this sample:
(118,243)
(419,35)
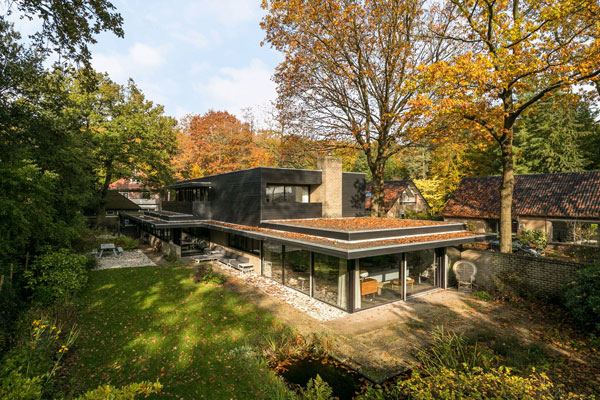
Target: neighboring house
(300,228)
(117,203)
(400,197)
(134,190)
(564,205)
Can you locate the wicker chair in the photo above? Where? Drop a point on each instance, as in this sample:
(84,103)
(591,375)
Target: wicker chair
(465,273)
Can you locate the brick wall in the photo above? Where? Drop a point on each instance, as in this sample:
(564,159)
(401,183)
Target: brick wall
(519,274)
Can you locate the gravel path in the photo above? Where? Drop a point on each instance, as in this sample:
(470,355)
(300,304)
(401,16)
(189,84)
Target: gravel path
(314,308)
(129,259)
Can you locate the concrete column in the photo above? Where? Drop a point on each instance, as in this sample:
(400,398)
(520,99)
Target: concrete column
(329,193)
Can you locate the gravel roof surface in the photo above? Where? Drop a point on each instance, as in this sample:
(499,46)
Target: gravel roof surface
(358,223)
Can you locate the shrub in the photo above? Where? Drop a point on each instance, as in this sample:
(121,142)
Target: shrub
(129,392)
(582,297)
(450,351)
(469,385)
(205,274)
(316,389)
(483,295)
(126,242)
(534,238)
(15,386)
(56,275)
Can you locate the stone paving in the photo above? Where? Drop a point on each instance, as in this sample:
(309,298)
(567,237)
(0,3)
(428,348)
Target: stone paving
(129,259)
(314,308)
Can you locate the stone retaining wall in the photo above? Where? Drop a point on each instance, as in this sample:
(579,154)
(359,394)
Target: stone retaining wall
(522,275)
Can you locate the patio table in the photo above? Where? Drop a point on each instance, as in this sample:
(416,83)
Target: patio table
(107,246)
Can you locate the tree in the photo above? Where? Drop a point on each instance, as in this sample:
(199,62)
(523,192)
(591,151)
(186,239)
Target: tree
(128,133)
(512,55)
(555,137)
(218,142)
(68,27)
(347,72)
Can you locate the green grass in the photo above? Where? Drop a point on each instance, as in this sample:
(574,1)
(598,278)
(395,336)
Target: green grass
(154,323)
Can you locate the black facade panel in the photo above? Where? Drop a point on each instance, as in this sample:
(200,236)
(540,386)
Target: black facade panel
(292,210)
(235,197)
(353,194)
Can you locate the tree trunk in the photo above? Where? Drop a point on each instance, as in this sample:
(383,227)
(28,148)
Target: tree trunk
(377,195)
(506,193)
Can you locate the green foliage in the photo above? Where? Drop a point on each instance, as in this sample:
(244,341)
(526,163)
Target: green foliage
(56,275)
(129,392)
(450,351)
(582,297)
(126,242)
(206,274)
(557,136)
(474,384)
(316,389)
(483,295)
(69,30)
(16,386)
(534,238)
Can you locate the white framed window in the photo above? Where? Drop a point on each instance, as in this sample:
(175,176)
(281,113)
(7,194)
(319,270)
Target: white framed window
(408,196)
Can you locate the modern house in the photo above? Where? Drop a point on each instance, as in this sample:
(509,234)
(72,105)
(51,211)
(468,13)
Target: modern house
(401,197)
(300,228)
(564,205)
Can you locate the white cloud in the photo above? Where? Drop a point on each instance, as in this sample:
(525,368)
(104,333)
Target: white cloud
(234,89)
(139,58)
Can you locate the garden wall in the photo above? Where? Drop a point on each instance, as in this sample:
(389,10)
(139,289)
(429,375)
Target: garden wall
(521,275)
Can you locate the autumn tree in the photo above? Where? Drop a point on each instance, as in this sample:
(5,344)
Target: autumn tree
(512,54)
(347,72)
(217,142)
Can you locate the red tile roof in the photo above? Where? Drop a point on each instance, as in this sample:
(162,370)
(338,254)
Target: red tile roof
(391,191)
(569,195)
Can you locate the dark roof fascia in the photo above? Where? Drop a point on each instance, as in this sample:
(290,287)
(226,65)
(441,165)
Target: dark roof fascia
(366,234)
(187,185)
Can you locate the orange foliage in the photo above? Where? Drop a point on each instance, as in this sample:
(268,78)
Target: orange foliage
(217,142)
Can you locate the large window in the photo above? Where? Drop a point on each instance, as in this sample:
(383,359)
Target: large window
(421,271)
(331,280)
(297,269)
(378,281)
(244,243)
(287,194)
(272,265)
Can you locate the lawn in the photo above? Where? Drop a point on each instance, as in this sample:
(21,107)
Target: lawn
(150,323)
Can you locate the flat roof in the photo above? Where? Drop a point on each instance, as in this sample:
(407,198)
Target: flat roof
(358,223)
(396,240)
(362,228)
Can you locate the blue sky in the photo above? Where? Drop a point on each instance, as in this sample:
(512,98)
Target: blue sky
(192,56)
(189,55)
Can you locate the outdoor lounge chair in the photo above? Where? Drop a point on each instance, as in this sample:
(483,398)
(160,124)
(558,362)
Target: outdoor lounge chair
(465,273)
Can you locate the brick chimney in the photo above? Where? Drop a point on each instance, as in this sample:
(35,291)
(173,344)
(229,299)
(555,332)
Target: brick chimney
(329,192)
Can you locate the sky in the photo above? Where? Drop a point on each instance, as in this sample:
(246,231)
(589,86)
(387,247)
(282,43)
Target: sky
(191,55)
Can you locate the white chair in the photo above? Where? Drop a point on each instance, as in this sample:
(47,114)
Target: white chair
(465,273)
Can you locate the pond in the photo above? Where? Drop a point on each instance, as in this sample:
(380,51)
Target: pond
(344,382)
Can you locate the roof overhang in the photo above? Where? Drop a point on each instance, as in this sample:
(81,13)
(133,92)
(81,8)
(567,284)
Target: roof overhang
(189,185)
(322,244)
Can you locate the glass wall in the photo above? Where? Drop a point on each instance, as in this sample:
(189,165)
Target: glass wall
(378,281)
(272,265)
(421,271)
(331,280)
(297,269)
